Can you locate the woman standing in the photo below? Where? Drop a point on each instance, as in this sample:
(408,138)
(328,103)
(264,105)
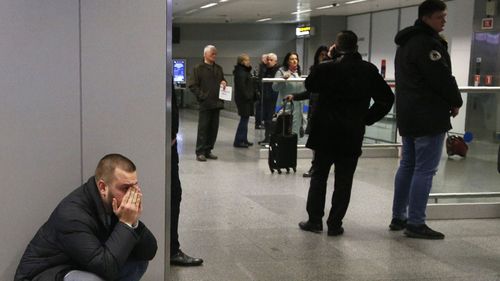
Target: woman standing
(244,98)
(290,69)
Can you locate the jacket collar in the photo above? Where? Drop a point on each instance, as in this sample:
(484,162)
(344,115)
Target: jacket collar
(96,199)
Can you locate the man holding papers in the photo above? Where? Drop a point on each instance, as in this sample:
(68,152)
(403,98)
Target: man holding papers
(205,83)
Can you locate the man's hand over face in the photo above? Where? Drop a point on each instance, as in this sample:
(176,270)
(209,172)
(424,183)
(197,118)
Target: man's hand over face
(130,209)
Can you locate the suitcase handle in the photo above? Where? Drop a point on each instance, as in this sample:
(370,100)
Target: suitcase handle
(284,104)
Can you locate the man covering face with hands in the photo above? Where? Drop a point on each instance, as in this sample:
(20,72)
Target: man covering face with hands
(94,233)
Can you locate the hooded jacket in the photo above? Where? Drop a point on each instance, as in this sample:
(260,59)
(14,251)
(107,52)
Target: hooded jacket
(426,90)
(79,235)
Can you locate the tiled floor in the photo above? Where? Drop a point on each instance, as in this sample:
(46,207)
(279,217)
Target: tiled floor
(243,221)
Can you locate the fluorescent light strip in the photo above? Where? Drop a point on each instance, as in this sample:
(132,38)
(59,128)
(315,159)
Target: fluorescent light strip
(209,5)
(266,19)
(222,1)
(301,12)
(191,11)
(354,1)
(324,7)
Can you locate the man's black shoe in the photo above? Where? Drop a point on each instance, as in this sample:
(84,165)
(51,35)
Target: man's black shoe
(264,142)
(397,224)
(184,260)
(335,231)
(312,227)
(308,174)
(259,127)
(249,143)
(422,231)
(241,145)
(211,156)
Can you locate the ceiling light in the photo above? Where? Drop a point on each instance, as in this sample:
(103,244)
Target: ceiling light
(191,11)
(266,19)
(222,1)
(324,7)
(301,12)
(354,1)
(209,5)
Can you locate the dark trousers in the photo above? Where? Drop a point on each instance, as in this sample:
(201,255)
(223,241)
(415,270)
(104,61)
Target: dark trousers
(175,201)
(269,108)
(258,112)
(242,131)
(344,173)
(208,127)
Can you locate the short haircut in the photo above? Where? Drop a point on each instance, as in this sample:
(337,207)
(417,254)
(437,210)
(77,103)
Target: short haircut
(208,48)
(241,58)
(273,56)
(106,168)
(429,7)
(346,42)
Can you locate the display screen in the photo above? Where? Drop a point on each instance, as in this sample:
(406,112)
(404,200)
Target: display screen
(179,71)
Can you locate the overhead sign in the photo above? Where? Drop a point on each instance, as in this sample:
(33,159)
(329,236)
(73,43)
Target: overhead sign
(303,31)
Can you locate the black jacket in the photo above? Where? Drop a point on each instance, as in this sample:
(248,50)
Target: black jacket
(268,93)
(425,88)
(79,235)
(243,90)
(205,85)
(345,87)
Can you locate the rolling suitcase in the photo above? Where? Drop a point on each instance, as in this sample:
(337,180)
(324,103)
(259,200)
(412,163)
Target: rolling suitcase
(283,143)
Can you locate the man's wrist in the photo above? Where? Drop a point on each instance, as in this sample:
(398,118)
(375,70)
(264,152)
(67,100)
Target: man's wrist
(133,226)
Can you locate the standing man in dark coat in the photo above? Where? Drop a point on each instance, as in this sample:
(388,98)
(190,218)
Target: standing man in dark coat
(94,232)
(244,94)
(269,96)
(346,85)
(177,256)
(205,83)
(427,95)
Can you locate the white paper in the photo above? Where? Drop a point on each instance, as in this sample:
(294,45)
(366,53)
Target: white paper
(226,94)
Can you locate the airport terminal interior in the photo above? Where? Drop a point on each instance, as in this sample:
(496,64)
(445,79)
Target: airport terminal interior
(88,78)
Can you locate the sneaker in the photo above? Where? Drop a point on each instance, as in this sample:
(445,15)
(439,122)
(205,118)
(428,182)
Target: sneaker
(422,231)
(397,224)
(335,231)
(201,158)
(211,156)
(308,174)
(310,226)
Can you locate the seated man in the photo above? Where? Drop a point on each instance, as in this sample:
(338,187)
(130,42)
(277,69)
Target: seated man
(95,232)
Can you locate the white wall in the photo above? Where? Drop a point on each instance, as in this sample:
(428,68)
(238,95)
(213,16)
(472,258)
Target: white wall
(382,46)
(360,24)
(39,117)
(120,108)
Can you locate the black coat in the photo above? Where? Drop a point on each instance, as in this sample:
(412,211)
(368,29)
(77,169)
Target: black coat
(244,92)
(79,235)
(425,88)
(205,85)
(345,87)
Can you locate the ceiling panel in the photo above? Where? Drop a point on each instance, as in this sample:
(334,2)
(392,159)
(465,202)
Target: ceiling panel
(249,11)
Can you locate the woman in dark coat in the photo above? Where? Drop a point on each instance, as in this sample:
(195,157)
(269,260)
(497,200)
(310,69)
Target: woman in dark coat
(244,98)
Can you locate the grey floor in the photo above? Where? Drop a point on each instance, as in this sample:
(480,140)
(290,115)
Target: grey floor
(243,221)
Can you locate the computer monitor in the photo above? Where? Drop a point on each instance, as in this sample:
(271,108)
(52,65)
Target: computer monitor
(179,71)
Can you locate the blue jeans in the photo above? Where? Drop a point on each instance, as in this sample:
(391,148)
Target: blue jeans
(412,184)
(131,271)
(242,131)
